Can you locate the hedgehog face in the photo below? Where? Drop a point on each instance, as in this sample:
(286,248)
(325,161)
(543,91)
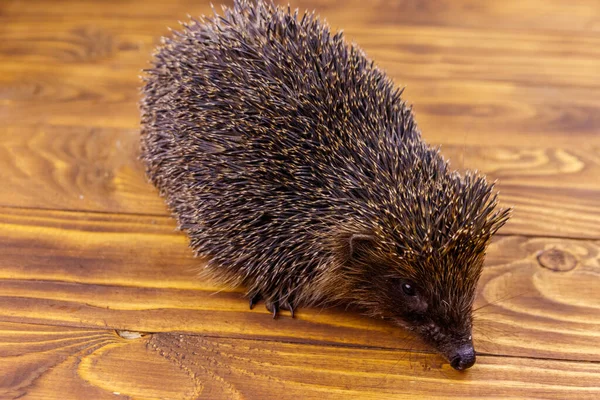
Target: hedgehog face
(421,257)
(440,313)
(430,295)
(441,319)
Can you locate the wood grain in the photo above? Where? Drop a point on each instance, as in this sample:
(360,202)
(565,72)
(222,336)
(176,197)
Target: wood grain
(449,111)
(575,16)
(76,168)
(136,273)
(69,135)
(407,52)
(99,364)
(555,192)
(87,250)
(460,82)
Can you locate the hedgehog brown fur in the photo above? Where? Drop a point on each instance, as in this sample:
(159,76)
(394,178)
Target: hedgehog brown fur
(294,166)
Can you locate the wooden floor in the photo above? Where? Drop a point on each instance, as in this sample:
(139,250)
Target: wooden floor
(98,295)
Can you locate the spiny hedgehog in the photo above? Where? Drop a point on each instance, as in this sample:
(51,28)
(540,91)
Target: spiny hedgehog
(297,170)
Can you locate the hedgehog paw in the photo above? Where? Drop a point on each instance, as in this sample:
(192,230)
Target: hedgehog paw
(273,308)
(276,306)
(288,306)
(254,299)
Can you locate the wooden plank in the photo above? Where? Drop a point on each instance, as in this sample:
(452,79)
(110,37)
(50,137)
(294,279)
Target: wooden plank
(448,111)
(473,55)
(98,170)
(508,87)
(575,16)
(98,364)
(470,90)
(65,363)
(557,212)
(136,273)
(493,86)
(75,168)
(89,39)
(406,52)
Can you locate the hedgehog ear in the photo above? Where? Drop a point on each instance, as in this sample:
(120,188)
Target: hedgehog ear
(359,243)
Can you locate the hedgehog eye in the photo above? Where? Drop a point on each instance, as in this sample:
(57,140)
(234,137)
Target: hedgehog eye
(409,289)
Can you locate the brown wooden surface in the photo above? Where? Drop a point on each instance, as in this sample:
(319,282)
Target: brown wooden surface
(103,364)
(87,248)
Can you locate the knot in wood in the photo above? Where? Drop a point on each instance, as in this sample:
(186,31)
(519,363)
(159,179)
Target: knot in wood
(557,260)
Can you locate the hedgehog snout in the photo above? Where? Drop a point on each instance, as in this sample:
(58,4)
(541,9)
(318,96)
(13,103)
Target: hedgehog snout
(463,357)
(456,347)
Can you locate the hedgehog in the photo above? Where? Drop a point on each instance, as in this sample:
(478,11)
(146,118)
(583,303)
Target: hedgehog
(298,172)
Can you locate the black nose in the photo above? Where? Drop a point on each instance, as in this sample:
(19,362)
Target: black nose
(463,358)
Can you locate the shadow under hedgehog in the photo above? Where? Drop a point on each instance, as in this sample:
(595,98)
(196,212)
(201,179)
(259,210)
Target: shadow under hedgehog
(297,170)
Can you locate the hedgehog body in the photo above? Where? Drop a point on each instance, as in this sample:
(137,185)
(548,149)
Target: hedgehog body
(298,172)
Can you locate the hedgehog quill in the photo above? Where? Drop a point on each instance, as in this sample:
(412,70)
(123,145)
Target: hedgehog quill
(295,167)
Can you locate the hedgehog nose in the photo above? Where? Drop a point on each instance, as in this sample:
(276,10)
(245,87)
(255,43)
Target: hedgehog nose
(463,358)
